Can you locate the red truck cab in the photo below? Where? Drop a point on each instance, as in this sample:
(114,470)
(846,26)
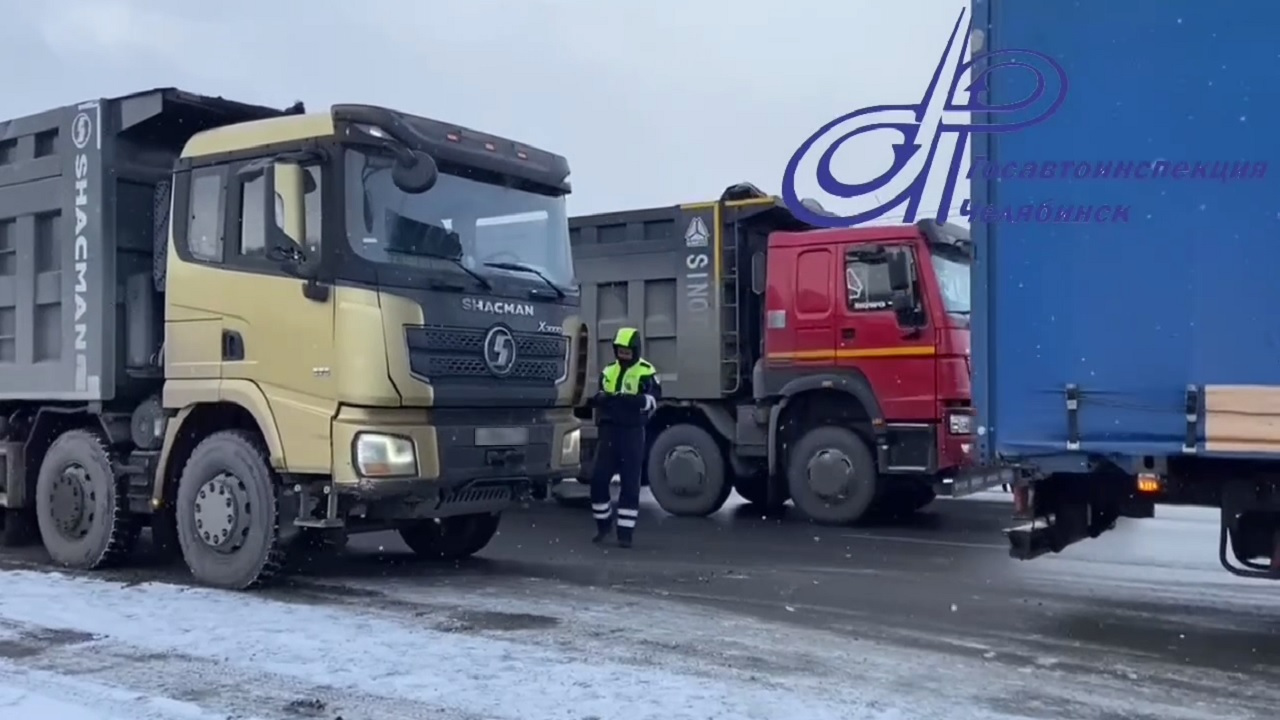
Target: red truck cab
(872,326)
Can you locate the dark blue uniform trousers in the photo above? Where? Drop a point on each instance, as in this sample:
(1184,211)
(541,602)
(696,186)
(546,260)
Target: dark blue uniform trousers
(619,451)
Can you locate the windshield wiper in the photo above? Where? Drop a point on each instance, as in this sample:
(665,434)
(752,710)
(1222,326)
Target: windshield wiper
(521,267)
(440,256)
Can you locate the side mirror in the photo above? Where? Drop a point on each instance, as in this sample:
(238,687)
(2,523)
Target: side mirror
(905,311)
(899,272)
(415,172)
(287,188)
(284,194)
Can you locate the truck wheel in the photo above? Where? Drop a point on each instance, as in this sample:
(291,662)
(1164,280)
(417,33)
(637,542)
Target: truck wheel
(832,475)
(686,472)
(81,506)
(451,538)
(228,519)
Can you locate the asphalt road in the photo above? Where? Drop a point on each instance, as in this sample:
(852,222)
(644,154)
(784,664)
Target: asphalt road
(1147,601)
(1146,604)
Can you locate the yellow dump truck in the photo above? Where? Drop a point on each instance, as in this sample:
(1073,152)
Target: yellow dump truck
(247,328)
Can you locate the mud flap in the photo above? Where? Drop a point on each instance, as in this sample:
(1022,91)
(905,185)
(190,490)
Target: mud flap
(1070,523)
(1249,539)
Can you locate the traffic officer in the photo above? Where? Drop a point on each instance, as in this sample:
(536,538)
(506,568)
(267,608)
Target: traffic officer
(628,395)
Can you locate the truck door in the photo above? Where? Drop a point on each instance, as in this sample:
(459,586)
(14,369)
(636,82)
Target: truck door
(898,363)
(264,330)
(815,306)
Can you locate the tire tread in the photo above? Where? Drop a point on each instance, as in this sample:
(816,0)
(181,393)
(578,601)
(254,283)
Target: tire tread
(717,465)
(860,454)
(123,535)
(243,441)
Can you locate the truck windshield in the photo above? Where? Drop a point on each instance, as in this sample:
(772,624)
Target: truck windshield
(477,224)
(951,265)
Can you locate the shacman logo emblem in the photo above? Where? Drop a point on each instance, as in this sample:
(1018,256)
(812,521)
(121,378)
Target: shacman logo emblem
(499,351)
(81,130)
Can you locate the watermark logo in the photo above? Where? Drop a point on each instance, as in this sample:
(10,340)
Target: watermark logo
(938,130)
(940,125)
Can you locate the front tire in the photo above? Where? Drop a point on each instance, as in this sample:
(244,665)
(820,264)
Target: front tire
(227,512)
(832,475)
(686,472)
(81,506)
(451,538)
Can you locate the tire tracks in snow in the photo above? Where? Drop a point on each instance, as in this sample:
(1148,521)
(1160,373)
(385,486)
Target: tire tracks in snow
(139,684)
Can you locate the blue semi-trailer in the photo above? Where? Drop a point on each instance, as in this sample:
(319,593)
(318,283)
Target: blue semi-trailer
(1126,330)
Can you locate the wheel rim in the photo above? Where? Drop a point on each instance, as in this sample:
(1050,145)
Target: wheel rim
(222,513)
(686,471)
(830,474)
(71,502)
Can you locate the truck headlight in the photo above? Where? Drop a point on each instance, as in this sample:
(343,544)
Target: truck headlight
(960,423)
(385,456)
(571,448)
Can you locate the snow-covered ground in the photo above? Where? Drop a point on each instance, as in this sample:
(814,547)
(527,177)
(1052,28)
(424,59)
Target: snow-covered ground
(86,649)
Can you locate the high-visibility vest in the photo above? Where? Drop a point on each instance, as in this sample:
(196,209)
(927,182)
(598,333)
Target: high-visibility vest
(630,380)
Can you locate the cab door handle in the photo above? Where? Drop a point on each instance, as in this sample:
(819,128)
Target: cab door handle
(847,333)
(232,346)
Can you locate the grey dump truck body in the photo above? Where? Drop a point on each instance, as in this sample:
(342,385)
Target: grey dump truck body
(83,224)
(654,270)
(667,272)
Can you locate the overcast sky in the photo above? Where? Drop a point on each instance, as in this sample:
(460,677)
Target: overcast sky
(653,103)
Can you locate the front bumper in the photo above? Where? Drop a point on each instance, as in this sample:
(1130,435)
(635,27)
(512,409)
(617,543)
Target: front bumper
(459,470)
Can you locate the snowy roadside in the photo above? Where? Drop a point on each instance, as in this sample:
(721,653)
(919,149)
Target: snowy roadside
(533,651)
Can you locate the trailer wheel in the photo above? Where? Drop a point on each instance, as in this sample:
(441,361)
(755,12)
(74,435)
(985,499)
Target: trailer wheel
(686,472)
(81,506)
(227,512)
(451,538)
(832,475)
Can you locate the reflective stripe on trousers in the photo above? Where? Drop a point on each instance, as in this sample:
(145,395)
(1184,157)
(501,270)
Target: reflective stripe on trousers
(627,517)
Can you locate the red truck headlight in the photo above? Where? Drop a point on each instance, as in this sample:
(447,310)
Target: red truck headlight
(960,423)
